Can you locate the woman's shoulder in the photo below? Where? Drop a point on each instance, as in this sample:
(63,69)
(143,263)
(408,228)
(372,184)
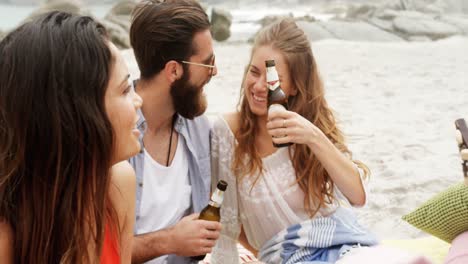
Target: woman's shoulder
(123,185)
(6,242)
(123,174)
(226,123)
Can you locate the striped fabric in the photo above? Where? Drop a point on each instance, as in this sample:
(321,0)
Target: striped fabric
(323,239)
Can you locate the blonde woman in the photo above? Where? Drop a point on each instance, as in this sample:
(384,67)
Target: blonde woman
(285,204)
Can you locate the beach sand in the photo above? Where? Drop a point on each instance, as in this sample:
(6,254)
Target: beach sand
(396,103)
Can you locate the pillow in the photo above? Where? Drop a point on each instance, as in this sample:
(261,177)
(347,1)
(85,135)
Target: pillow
(429,246)
(445,215)
(383,255)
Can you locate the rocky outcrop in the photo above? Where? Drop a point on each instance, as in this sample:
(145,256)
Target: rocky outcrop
(392,20)
(339,29)
(420,27)
(460,22)
(118,21)
(70,6)
(221,21)
(357,31)
(415,20)
(315,31)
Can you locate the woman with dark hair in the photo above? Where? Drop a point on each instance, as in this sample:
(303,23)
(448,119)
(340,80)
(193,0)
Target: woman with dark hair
(284,204)
(67,125)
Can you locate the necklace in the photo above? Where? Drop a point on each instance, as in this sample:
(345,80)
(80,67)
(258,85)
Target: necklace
(170,141)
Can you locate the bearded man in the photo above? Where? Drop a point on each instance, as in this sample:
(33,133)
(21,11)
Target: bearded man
(174,51)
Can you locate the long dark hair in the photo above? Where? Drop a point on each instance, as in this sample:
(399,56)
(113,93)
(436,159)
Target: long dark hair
(55,138)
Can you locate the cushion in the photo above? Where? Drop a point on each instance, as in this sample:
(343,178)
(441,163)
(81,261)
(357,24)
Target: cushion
(431,247)
(445,215)
(383,255)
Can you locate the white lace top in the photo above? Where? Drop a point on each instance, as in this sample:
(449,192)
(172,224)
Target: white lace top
(274,203)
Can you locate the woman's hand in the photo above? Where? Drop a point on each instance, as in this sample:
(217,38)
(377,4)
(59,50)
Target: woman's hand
(286,126)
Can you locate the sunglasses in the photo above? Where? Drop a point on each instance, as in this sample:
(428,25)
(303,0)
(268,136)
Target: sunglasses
(211,66)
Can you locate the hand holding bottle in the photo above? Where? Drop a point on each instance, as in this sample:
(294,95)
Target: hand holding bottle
(286,126)
(192,236)
(212,211)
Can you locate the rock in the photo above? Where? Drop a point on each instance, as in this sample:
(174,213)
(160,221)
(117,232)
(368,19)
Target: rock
(2,34)
(455,6)
(220,24)
(386,25)
(386,14)
(361,11)
(392,14)
(124,8)
(359,31)
(424,27)
(336,7)
(419,38)
(221,32)
(118,21)
(430,6)
(314,31)
(459,22)
(70,6)
(121,14)
(306,18)
(118,35)
(267,20)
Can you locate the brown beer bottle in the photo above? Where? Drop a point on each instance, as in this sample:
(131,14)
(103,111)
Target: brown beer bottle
(277,99)
(212,211)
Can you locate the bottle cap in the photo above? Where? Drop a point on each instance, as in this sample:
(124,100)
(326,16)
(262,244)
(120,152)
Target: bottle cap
(222,185)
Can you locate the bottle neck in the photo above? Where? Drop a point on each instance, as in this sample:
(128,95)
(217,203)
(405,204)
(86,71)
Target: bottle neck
(272,78)
(217,198)
(214,204)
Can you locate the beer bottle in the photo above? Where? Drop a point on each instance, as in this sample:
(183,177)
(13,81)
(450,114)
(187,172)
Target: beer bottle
(277,99)
(212,211)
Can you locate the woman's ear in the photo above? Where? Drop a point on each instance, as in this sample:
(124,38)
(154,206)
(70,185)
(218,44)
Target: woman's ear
(173,70)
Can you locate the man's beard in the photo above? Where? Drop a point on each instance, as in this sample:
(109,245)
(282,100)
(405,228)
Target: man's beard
(189,100)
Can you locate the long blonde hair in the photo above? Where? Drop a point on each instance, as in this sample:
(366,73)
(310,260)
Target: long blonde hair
(286,37)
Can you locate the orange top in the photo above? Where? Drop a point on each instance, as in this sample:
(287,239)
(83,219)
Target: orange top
(110,248)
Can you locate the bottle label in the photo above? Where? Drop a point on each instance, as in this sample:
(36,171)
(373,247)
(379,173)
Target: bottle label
(276,108)
(272,78)
(217,198)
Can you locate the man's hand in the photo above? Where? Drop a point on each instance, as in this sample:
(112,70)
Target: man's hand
(194,237)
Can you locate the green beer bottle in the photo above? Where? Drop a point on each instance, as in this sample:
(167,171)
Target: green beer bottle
(212,211)
(277,99)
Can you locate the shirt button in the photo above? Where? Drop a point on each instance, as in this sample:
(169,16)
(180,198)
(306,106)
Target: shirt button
(140,184)
(138,217)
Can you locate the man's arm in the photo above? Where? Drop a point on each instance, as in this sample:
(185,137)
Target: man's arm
(189,237)
(151,245)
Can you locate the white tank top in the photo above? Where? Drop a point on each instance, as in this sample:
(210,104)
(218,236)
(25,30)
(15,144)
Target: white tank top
(166,194)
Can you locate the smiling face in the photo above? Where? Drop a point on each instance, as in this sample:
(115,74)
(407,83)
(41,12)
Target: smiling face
(121,104)
(255,86)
